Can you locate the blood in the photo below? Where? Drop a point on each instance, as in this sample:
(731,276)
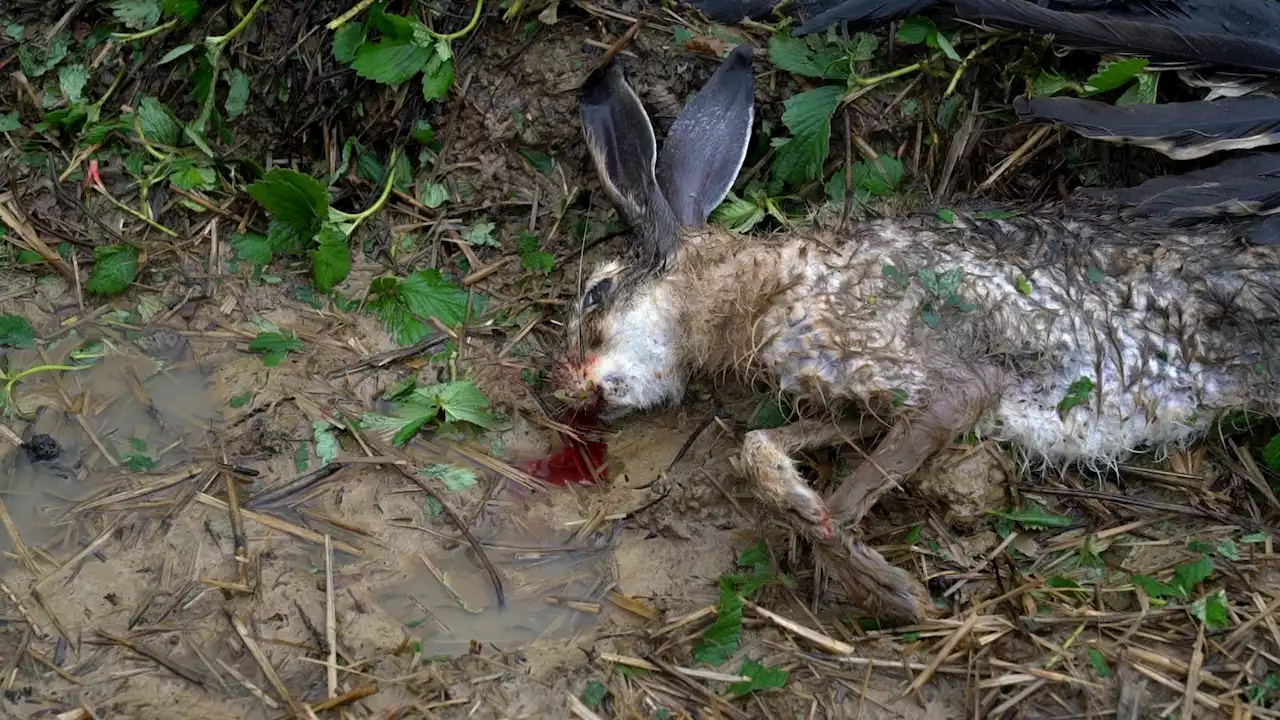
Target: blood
(570,463)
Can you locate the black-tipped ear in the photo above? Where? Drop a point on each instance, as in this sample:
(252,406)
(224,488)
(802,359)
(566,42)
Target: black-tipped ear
(708,142)
(622,145)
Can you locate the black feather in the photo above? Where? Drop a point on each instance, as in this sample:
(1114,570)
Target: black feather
(1181,31)
(1182,131)
(1267,232)
(863,13)
(1246,185)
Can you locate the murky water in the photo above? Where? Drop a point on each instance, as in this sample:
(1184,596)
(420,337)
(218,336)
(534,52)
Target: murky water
(124,419)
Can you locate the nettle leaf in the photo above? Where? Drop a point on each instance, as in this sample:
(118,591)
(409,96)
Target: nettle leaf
(762,678)
(157,123)
(532,258)
(434,195)
(1099,663)
(429,294)
(461,401)
(184,10)
(1271,454)
(274,346)
(72,80)
(1152,587)
(1077,394)
(594,694)
(811,57)
(10,121)
(326,441)
(1113,75)
(916,30)
(1048,83)
(451,476)
(437,76)
(114,268)
(292,198)
(1142,92)
(737,214)
(331,258)
(1211,610)
(720,640)
(237,93)
(1188,575)
(347,40)
(407,420)
(390,62)
(481,234)
(808,117)
(137,14)
(16,332)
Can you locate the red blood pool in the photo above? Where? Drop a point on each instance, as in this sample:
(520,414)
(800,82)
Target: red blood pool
(573,462)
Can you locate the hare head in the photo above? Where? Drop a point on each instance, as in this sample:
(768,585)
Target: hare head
(623,339)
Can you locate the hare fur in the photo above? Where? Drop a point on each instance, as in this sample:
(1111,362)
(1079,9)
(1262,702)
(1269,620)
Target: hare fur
(981,325)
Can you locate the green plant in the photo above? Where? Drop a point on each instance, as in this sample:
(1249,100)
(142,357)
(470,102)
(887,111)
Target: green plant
(404,304)
(448,406)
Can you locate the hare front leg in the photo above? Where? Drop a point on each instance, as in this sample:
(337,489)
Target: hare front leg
(766,462)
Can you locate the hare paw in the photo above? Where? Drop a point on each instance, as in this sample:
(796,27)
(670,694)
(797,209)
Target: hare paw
(776,482)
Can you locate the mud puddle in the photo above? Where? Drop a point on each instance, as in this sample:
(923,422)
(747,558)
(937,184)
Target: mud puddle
(119,418)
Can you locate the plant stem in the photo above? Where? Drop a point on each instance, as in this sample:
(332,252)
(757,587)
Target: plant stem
(131,37)
(360,217)
(964,64)
(239,28)
(345,17)
(475,20)
(11,381)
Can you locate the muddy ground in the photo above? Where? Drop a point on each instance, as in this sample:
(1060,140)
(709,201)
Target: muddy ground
(124,592)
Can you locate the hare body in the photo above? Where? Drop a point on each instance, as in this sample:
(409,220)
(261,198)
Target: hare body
(1076,337)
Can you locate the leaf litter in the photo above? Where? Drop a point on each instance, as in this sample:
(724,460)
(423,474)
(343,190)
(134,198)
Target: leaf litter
(289,385)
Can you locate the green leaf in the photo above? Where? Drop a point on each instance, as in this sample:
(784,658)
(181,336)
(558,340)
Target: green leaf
(326,441)
(16,332)
(1142,92)
(916,30)
(720,640)
(811,57)
(114,268)
(1047,83)
(1152,587)
(252,248)
(451,476)
(1034,517)
(481,234)
(331,259)
(189,176)
(184,10)
(9,121)
(1023,285)
(1113,75)
(72,80)
(808,117)
(1095,275)
(237,93)
(947,111)
(461,401)
(770,414)
(239,401)
(274,346)
(737,214)
(390,62)
(1188,575)
(762,678)
(1211,610)
(422,132)
(292,198)
(1271,454)
(946,215)
(541,162)
(434,195)
(176,53)
(945,46)
(532,258)
(593,695)
(157,122)
(437,78)
(427,293)
(407,420)
(346,41)
(1077,394)
(137,14)
(139,463)
(1099,663)
(302,458)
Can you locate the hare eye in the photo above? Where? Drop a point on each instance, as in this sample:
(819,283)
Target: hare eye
(596,294)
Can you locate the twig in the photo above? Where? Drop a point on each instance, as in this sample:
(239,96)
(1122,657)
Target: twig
(261,658)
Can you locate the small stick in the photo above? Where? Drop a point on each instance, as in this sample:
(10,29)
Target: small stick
(152,656)
(261,658)
(345,698)
(825,642)
(618,45)
(330,618)
(248,685)
(302,482)
(278,524)
(239,544)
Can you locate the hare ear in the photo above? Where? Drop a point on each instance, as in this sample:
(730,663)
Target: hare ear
(622,145)
(708,142)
